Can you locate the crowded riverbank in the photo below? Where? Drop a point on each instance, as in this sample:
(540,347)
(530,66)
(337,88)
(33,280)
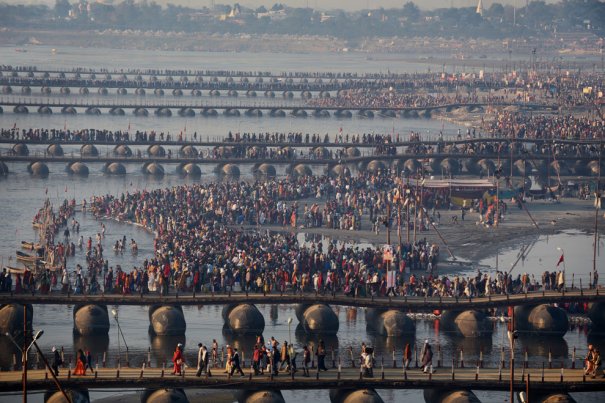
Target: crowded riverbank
(191,222)
(317,206)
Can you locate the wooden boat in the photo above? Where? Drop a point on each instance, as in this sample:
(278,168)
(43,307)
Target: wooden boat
(30,245)
(15,270)
(25,258)
(47,266)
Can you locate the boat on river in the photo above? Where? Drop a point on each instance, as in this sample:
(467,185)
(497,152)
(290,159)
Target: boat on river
(15,270)
(31,245)
(27,259)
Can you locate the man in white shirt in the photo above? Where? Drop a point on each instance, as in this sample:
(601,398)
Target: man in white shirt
(202,360)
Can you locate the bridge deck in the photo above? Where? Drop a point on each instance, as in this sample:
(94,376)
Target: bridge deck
(262,105)
(280,86)
(403,303)
(488,379)
(213,143)
(175,159)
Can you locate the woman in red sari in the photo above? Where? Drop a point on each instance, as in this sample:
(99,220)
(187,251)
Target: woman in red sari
(80,363)
(177,359)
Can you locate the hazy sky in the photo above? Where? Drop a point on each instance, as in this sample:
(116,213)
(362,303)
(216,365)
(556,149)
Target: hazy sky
(322,4)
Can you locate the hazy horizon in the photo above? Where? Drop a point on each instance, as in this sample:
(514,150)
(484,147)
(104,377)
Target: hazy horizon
(349,5)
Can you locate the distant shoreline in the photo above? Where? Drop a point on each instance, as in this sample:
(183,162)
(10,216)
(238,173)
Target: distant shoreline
(488,54)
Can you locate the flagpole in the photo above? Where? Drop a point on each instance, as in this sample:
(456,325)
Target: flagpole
(407,217)
(596,216)
(562,259)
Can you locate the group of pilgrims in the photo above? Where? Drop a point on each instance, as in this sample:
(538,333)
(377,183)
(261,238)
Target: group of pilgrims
(209,236)
(241,236)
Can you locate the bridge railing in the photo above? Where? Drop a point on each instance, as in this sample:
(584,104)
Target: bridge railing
(474,375)
(208,294)
(339,356)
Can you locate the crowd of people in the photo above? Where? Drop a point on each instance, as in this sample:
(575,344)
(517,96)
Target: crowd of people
(192,241)
(260,80)
(386,99)
(270,358)
(199,248)
(507,126)
(513,125)
(210,238)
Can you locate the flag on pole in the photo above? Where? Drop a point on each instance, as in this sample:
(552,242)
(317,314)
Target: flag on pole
(561,260)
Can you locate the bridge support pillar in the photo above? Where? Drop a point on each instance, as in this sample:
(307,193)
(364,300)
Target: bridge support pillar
(467,323)
(542,320)
(552,398)
(354,396)
(164,395)
(75,395)
(91,320)
(317,318)
(389,322)
(11,319)
(166,320)
(259,396)
(596,313)
(243,319)
(450,396)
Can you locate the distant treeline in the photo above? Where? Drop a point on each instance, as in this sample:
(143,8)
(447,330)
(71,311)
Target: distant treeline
(497,21)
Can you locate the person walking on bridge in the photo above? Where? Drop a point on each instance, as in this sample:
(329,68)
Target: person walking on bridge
(57,361)
(80,363)
(285,357)
(177,359)
(89,362)
(596,363)
(589,361)
(407,356)
(427,358)
(235,366)
(202,361)
(321,356)
(306,360)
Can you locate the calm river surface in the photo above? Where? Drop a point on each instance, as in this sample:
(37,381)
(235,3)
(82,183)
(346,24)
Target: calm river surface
(21,196)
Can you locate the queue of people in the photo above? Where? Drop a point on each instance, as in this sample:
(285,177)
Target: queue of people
(267,357)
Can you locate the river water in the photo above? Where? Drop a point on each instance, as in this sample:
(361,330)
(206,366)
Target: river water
(21,196)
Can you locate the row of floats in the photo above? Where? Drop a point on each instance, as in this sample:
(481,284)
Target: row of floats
(41,170)
(177,92)
(182,78)
(439,166)
(165,111)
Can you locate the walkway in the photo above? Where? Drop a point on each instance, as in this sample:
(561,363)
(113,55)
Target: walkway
(232,105)
(553,380)
(225,143)
(415,304)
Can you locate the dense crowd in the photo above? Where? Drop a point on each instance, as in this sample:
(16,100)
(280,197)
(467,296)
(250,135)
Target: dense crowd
(509,126)
(520,126)
(210,238)
(199,248)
